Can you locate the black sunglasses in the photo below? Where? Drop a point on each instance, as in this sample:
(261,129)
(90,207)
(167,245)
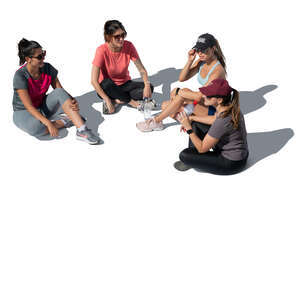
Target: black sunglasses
(41,56)
(118,36)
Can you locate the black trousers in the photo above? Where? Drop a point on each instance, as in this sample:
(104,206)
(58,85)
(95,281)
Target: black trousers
(125,92)
(212,161)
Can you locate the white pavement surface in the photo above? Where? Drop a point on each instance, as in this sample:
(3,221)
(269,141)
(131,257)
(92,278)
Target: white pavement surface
(117,221)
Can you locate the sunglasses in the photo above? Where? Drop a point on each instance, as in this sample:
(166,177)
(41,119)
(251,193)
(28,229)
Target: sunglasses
(203,51)
(119,36)
(41,56)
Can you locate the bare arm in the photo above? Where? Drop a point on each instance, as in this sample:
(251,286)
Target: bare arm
(99,90)
(190,95)
(56,83)
(190,69)
(202,146)
(96,85)
(203,119)
(142,70)
(139,65)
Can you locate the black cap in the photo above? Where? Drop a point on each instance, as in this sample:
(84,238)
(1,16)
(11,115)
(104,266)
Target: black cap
(205,41)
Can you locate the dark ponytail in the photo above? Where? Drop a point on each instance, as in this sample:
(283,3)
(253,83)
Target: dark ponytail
(219,54)
(26,49)
(233,103)
(110,27)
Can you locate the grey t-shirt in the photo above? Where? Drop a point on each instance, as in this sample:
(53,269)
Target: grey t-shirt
(37,89)
(232,142)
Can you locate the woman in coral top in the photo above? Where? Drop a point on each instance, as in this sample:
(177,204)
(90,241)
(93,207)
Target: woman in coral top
(110,75)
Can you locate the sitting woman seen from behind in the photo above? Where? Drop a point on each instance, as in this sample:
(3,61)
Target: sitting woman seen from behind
(36,112)
(222,147)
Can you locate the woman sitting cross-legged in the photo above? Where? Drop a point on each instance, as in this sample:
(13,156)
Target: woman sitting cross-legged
(34,110)
(227,136)
(110,74)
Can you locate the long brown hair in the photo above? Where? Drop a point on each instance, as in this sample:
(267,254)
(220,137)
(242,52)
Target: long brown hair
(220,56)
(233,103)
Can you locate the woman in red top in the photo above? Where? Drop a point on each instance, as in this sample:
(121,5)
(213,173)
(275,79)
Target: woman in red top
(35,111)
(110,75)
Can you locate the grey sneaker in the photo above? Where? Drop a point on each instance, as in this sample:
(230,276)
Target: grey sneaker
(154,103)
(67,121)
(180,166)
(141,106)
(87,136)
(105,110)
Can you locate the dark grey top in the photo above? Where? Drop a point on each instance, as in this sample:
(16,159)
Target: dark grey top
(232,142)
(37,89)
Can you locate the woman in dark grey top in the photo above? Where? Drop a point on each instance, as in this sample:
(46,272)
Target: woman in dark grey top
(222,147)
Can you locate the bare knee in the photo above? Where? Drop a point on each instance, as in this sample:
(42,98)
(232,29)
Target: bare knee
(165,104)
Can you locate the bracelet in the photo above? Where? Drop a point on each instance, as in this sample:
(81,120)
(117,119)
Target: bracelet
(177,91)
(189,131)
(147,82)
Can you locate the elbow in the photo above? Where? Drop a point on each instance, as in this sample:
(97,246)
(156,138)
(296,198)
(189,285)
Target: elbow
(94,83)
(181,78)
(201,150)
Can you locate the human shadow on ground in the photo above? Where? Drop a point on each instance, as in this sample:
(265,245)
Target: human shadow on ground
(264,144)
(253,100)
(261,144)
(94,118)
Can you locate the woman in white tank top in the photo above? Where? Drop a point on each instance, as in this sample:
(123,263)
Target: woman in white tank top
(209,66)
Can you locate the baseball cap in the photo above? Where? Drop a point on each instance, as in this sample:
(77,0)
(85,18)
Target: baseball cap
(204,41)
(217,87)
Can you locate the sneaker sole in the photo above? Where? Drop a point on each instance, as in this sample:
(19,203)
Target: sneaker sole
(85,140)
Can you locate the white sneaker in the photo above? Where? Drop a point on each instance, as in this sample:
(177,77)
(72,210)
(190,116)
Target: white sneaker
(150,125)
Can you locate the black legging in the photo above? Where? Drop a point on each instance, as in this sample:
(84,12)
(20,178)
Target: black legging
(125,92)
(212,161)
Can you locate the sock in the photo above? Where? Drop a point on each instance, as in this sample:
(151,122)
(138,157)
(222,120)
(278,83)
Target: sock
(82,128)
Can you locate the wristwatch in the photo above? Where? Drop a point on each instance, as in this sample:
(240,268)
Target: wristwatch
(189,131)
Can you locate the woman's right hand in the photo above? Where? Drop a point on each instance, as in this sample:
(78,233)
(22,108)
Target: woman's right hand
(110,106)
(192,55)
(53,131)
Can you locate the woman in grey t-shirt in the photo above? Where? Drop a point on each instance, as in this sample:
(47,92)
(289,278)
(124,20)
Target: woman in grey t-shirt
(222,147)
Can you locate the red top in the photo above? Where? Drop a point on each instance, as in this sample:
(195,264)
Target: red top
(114,65)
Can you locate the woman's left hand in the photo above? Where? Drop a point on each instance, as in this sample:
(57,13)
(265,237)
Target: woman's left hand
(147,91)
(74,105)
(184,120)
